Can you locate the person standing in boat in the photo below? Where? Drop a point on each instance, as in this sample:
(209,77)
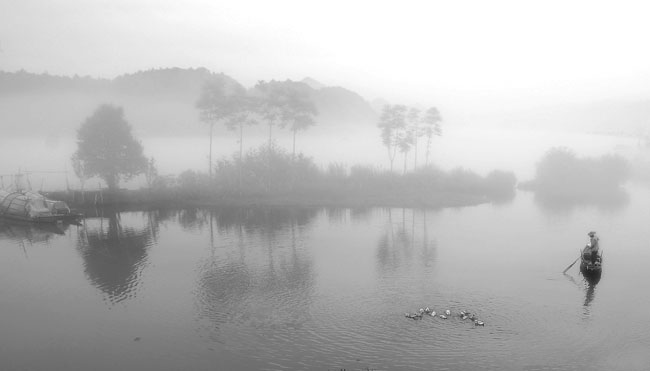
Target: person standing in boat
(592,249)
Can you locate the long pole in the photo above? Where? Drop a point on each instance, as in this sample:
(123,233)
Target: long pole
(571,265)
(567,268)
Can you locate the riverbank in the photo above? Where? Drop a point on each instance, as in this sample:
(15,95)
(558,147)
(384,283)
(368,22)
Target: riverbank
(147,198)
(297,182)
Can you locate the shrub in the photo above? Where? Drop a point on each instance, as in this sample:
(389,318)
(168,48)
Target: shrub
(561,172)
(265,169)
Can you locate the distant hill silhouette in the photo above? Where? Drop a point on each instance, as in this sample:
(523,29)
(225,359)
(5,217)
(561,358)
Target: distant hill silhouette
(22,82)
(337,104)
(313,83)
(157,102)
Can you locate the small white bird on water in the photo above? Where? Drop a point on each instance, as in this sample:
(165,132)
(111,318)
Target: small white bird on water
(448,312)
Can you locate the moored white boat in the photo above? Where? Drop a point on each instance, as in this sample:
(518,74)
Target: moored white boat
(32,206)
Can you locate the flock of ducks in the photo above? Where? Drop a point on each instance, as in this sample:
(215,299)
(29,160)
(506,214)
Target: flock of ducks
(463,314)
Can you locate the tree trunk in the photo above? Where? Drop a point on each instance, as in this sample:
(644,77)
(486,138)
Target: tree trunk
(83,193)
(293,155)
(268,161)
(428,150)
(210,155)
(415,156)
(293,163)
(111,181)
(390,158)
(241,152)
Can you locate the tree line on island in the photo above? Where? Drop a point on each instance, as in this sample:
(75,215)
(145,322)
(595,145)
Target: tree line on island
(107,149)
(402,127)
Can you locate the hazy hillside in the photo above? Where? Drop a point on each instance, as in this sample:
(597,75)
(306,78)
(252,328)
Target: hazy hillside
(157,102)
(336,104)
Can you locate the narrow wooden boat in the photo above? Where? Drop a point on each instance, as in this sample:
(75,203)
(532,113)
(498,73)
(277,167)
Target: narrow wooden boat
(32,207)
(591,263)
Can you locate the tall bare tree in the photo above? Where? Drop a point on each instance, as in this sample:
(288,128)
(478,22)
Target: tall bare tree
(272,98)
(392,123)
(299,113)
(281,104)
(405,142)
(221,100)
(414,124)
(431,126)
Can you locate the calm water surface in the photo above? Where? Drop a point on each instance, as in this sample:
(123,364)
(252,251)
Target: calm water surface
(319,289)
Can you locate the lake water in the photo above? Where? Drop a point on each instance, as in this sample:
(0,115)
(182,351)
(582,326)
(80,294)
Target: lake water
(326,289)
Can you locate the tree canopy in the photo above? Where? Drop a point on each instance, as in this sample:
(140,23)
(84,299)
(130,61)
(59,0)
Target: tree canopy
(282,103)
(393,129)
(224,100)
(221,98)
(106,147)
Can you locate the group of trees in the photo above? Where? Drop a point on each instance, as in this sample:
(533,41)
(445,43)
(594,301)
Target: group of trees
(402,127)
(107,148)
(275,103)
(562,173)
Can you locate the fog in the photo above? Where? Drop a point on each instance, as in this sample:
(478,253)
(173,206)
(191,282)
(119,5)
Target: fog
(292,177)
(462,55)
(477,149)
(511,80)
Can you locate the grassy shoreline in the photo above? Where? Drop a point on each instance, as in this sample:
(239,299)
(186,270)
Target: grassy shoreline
(177,198)
(269,176)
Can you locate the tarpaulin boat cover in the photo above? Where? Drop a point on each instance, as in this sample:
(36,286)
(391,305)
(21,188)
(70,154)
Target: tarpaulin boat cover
(23,205)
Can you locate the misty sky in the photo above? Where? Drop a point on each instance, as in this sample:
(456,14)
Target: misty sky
(479,53)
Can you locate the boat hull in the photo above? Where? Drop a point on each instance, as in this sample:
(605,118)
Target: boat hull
(589,269)
(591,266)
(33,207)
(35,219)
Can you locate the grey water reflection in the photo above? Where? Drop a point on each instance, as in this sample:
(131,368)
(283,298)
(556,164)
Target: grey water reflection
(259,274)
(608,201)
(342,215)
(590,290)
(32,233)
(588,286)
(115,253)
(406,233)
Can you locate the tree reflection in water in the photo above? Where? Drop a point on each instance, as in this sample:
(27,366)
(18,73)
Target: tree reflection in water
(114,252)
(402,238)
(32,233)
(343,216)
(613,200)
(261,274)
